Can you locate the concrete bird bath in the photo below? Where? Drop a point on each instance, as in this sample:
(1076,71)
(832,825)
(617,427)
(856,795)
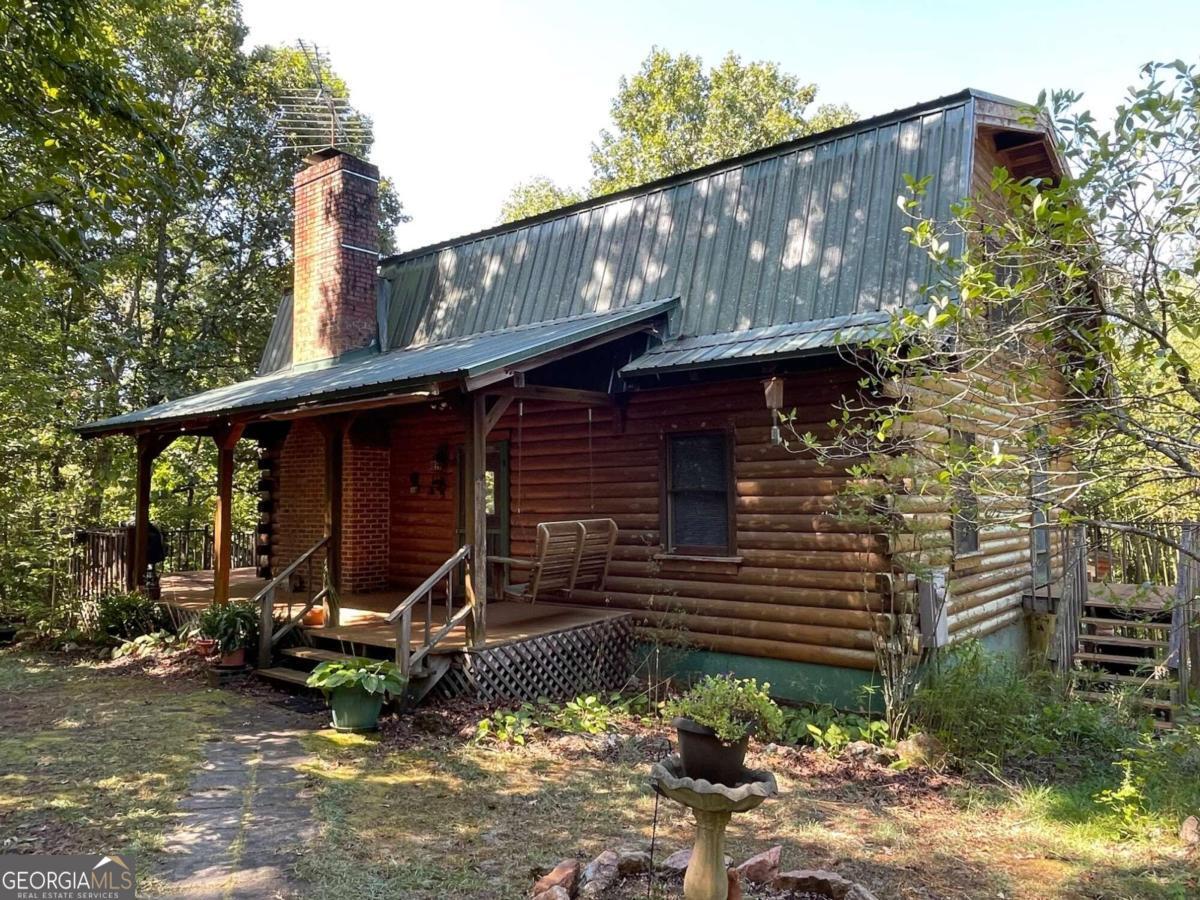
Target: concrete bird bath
(712,805)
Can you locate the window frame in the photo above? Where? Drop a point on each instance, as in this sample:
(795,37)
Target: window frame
(965,530)
(667,519)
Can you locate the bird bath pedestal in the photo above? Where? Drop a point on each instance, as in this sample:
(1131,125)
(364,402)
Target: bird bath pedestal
(712,805)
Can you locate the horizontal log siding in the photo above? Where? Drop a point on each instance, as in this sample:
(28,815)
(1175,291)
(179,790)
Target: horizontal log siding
(807,584)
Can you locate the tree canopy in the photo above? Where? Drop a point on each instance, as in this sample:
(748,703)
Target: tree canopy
(145,240)
(673,115)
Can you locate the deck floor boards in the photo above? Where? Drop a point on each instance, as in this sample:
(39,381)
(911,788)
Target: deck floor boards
(362,614)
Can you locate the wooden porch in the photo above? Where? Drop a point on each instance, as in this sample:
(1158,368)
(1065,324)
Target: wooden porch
(362,615)
(529,649)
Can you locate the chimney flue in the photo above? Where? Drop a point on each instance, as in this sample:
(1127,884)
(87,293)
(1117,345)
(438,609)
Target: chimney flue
(336,256)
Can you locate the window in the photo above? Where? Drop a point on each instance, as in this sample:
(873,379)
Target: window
(965,522)
(699,486)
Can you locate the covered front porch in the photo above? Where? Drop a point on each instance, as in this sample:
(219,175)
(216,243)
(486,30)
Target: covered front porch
(385,504)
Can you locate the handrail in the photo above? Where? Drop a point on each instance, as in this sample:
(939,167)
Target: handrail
(401,617)
(267,636)
(429,583)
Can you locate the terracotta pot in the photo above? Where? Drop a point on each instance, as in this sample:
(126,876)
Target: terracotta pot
(234,660)
(314,618)
(204,646)
(707,756)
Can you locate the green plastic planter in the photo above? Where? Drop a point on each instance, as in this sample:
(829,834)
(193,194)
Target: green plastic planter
(355,709)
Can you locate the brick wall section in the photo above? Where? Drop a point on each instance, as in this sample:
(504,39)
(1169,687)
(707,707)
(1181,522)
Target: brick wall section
(301,495)
(335,285)
(366,506)
(366,514)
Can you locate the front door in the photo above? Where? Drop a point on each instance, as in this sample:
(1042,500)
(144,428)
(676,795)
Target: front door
(496,480)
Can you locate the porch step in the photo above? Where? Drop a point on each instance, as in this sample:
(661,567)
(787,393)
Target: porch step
(1089,656)
(1106,696)
(1122,641)
(293,677)
(315,654)
(1095,676)
(1123,623)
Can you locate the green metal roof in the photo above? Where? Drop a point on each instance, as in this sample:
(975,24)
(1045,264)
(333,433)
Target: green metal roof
(802,232)
(367,373)
(759,344)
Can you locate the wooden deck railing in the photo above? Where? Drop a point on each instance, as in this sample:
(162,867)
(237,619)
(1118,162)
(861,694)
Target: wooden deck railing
(268,635)
(408,660)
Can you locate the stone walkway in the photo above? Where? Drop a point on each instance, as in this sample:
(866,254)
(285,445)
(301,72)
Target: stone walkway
(244,821)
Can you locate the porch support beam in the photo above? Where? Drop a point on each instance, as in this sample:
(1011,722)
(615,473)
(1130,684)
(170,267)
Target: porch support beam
(149,446)
(475,508)
(499,406)
(226,438)
(554,394)
(334,429)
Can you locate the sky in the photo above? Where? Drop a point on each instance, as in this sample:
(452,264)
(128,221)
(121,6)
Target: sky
(470,98)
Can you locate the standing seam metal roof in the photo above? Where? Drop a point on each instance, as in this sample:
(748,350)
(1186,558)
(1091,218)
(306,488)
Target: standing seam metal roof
(805,232)
(372,373)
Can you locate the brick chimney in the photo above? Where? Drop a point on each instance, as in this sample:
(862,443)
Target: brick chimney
(337,256)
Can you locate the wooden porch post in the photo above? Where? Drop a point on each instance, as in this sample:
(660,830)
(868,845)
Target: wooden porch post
(475,507)
(226,439)
(149,446)
(334,429)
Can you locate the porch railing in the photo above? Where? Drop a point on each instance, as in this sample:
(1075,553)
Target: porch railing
(268,634)
(410,661)
(100,558)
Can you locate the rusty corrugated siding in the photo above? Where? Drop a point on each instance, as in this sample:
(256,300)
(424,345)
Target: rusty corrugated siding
(809,233)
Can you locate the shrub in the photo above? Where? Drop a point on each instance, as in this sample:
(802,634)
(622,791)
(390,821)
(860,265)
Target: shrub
(371,676)
(732,707)
(233,625)
(829,729)
(128,614)
(987,709)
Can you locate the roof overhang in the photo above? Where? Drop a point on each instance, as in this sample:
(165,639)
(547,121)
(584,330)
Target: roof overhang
(470,363)
(758,345)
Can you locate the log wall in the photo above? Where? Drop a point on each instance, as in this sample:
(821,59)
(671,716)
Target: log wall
(802,585)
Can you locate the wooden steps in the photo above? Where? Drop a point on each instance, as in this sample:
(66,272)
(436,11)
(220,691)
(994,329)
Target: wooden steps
(1120,640)
(1107,696)
(1124,636)
(284,675)
(314,654)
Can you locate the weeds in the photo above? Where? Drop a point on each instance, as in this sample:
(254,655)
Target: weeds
(586,714)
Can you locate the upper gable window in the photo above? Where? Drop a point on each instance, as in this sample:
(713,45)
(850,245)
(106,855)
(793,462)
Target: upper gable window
(699,494)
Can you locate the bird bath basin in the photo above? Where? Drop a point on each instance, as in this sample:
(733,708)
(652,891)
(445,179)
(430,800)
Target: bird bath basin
(712,805)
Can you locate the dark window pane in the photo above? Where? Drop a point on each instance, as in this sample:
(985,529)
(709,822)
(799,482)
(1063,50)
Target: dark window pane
(698,492)
(698,462)
(701,520)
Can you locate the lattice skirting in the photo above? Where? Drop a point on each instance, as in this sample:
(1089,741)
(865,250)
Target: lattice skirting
(559,666)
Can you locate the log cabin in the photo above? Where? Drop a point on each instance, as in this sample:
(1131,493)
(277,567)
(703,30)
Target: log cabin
(433,424)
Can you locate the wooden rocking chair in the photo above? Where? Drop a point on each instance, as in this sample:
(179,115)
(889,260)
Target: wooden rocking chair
(569,554)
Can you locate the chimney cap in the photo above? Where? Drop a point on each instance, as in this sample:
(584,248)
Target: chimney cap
(321,155)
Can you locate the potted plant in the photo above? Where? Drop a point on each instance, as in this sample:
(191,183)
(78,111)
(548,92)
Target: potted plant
(233,626)
(355,689)
(714,721)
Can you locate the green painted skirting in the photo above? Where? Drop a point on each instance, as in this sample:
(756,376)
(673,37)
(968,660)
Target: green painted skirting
(792,681)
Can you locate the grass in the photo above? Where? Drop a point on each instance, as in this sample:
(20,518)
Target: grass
(93,761)
(451,818)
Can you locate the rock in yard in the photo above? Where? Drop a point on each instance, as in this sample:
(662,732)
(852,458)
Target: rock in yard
(920,750)
(1189,832)
(677,862)
(865,750)
(558,892)
(763,868)
(632,862)
(814,881)
(599,875)
(564,875)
